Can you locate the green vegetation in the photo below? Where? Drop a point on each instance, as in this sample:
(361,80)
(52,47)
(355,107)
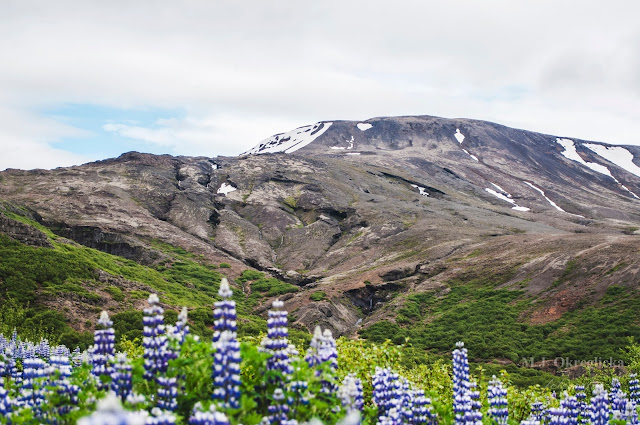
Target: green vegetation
(493,324)
(34,278)
(264,286)
(318,296)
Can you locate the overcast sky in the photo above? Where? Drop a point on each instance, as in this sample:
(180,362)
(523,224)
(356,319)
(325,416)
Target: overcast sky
(85,80)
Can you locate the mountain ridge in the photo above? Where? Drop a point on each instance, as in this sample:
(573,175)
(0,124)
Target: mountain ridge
(546,222)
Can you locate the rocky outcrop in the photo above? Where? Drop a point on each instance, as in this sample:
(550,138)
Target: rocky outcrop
(23,232)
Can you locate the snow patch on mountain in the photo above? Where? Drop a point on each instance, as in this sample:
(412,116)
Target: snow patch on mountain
(472,156)
(225,189)
(505,197)
(571,153)
(422,190)
(292,140)
(618,155)
(553,204)
(363,126)
(459,136)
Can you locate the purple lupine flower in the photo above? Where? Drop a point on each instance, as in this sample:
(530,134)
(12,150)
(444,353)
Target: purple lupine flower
(634,388)
(224,312)
(226,358)
(631,413)
(537,411)
(103,349)
(177,334)
(600,411)
(167,393)
(391,417)
(322,351)
(276,342)
(497,397)
(181,329)
(121,377)
(571,408)
(583,407)
(226,370)
(407,400)
(463,404)
(386,391)
(617,400)
(32,393)
(5,400)
(423,415)
(154,340)
(278,411)
(199,416)
(62,368)
(110,412)
(76,357)
(350,393)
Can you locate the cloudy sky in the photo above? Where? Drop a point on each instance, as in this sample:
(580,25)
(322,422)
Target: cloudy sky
(85,80)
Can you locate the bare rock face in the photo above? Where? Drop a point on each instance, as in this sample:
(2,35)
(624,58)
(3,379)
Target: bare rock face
(23,232)
(366,213)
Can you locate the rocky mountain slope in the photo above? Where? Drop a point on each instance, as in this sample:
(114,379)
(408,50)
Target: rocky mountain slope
(363,216)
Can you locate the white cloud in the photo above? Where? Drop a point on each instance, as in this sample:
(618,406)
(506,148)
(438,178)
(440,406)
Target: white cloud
(246,70)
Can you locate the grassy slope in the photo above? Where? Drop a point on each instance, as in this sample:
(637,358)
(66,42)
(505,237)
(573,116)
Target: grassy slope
(32,278)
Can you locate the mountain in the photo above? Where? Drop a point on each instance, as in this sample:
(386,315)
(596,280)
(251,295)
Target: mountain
(422,227)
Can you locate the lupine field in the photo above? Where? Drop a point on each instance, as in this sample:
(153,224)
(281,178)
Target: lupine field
(176,378)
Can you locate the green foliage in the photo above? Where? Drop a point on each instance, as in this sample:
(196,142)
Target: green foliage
(265,286)
(225,266)
(318,296)
(115,292)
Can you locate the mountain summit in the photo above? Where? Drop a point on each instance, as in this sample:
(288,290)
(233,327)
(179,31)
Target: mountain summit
(365,216)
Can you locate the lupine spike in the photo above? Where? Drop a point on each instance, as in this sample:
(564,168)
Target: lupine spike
(5,400)
(462,402)
(154,340)
(226,358)
(278,411)
(600,411)
(497,397)
(350,393)
(199,416)
(276,342)
(121,377)
(634,388)
(103,350)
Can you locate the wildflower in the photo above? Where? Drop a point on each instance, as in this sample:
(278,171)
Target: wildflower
(350,393)
(5,400)
(224,312)
(121,377)
(154,340)
(226,358)
(278,411)
(599,407)
(103,349)
(199,416)
(422,409)
(463,404)
(61,365)
(276,342)
(386,391)
(167,393)
(634,388)
(497,396)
